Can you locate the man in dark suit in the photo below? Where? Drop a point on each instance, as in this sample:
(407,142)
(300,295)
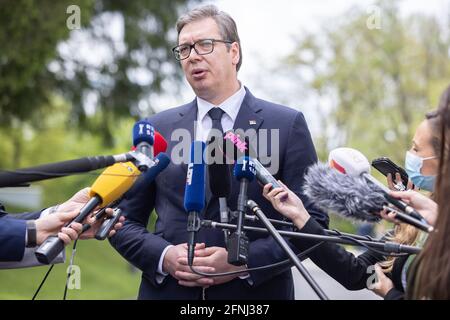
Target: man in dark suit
(210,55)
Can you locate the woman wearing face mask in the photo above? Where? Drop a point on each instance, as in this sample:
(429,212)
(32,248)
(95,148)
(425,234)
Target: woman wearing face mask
(344,267)
(421,164)
(422,160)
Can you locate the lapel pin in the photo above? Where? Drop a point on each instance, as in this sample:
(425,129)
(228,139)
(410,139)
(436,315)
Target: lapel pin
(252,122)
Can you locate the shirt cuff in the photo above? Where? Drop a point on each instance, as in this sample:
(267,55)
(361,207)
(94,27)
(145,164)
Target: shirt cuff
(160,274)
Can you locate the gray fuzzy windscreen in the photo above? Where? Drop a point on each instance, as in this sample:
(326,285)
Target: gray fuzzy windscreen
(352,197)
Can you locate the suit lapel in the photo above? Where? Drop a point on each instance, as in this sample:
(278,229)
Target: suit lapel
(187,120)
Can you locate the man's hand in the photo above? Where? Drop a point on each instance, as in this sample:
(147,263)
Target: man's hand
(53,223)
(216,258)
(173,265)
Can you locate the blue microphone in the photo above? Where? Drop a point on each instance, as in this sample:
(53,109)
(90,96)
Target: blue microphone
(238,243)
(194,195)
(143,139)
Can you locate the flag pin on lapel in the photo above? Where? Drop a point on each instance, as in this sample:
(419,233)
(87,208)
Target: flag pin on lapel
(252,122)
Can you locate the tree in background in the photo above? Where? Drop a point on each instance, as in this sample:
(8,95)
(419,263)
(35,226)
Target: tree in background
(106,70)
(371,85)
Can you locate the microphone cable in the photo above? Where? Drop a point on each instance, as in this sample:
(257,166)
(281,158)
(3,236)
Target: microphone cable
(269,266)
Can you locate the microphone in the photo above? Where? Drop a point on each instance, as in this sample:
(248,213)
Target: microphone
(194,195)
(108,187)
(142,183)
(143,139)
(238,244)
(60,169)
(350,196)
(352,162)
(220,186)
(235,148)
(159,146)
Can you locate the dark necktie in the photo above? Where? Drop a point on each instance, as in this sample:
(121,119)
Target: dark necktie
(216,116)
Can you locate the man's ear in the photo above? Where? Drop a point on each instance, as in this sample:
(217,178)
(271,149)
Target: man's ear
(235,53)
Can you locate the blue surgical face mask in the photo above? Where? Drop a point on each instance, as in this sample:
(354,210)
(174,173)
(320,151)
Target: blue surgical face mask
(413,166)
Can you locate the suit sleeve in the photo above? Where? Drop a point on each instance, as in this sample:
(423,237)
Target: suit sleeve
(25,216)
(12,239)
(133,241)
(299,155)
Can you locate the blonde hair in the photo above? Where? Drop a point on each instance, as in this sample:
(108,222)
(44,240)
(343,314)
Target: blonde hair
(403,234)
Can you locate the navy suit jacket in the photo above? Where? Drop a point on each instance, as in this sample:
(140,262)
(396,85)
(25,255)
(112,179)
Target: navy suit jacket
(143,248)
(12,234)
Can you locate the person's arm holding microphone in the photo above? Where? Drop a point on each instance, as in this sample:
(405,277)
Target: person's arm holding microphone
(30,230)
(343,266)
(60,215)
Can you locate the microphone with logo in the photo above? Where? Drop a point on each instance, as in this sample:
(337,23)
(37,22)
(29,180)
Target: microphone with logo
(234,148)
(194,195)
(157,165)
(238,243)
(352,197)
(108,187)
(142,183)
(353,163)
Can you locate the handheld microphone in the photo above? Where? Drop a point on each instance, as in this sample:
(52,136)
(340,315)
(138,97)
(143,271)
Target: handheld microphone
(159,146)
(142,183)
(194,196)
(220,186)
(143,139)
(350,196)
(352,162)
(108,187)
(235,148)
(238,243)
(60,169)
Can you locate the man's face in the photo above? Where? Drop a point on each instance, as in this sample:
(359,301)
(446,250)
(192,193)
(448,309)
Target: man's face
(211,76)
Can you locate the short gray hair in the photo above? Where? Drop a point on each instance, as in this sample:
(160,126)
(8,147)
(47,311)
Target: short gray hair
(227,26)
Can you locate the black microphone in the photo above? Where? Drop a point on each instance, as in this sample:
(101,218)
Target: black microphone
(9,178)
(238,243)
(220,186)
(350,196)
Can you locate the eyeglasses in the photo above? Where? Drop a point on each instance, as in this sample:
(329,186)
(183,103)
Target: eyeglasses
(202,47)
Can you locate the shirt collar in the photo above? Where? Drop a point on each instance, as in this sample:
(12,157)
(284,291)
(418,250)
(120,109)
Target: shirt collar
(231,106)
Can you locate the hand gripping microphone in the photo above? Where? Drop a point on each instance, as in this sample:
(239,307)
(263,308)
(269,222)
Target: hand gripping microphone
(194,195)
(108,187)
(238,244)
(354,163)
